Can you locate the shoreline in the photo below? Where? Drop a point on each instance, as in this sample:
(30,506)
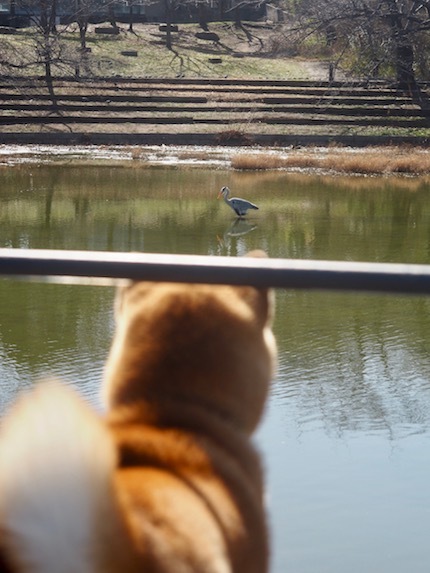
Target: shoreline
(395,161)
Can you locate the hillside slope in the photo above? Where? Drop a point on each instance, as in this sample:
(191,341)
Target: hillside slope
(211,111)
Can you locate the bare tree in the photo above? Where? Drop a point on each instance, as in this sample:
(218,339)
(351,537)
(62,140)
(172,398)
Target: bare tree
(45,46)
(406,22)
(43,14)
(385,34)
(238,6)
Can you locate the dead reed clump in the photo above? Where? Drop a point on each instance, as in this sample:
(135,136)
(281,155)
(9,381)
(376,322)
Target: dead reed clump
(385,162)
(362,163)
(304,161)
(266,161)
(411,163)
(250,161)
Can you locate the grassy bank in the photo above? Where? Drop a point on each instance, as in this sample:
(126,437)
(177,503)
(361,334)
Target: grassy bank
(404,161)
(244,52)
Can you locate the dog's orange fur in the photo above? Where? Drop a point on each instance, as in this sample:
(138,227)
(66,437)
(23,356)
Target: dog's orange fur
(185,386)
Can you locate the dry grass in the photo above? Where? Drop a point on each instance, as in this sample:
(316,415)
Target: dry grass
(365,164)
(250,161)
(386,161)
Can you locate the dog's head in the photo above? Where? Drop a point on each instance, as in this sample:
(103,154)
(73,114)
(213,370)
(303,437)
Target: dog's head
(207,345)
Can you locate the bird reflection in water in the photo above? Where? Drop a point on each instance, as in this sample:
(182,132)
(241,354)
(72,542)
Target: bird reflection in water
(236,230)
(239,227)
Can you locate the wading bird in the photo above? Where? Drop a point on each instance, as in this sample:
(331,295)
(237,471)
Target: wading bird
(239,206)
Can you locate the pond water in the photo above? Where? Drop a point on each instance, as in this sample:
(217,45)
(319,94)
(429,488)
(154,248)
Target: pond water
(346,436)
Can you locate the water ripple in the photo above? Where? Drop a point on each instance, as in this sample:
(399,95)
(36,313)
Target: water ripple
(373,387)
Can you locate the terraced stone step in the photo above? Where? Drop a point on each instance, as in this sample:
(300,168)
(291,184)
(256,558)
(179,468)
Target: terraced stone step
(210,106)
(43,109)
(157,120)
(277,103)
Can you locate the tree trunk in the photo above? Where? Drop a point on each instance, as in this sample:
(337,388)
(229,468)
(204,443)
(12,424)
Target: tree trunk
(51,12)
(82,21)
(404,51)
(111,15)
(203,19)
(405,73)
(49,80)
(12,13)
(221,5)
(130,13)
(237,17)
(47,27)
(83,35)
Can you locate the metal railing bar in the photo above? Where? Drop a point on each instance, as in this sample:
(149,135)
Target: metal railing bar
(261,272)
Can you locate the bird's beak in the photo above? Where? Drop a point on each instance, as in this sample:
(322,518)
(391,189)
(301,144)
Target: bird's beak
(219,194)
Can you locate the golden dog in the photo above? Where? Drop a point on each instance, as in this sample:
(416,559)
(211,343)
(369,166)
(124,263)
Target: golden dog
(168,481)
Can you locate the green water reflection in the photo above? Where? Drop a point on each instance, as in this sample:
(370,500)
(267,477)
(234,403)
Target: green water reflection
(176,211)
(354,370)
(327,340)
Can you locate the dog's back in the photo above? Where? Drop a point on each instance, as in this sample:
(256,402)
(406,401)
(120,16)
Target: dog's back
(169,482)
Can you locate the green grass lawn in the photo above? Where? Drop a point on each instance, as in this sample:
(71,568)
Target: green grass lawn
(243,56)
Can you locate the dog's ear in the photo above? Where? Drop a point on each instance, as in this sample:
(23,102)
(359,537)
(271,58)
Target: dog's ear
(257,254)
(260,299)
(119,297)
(131,291)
